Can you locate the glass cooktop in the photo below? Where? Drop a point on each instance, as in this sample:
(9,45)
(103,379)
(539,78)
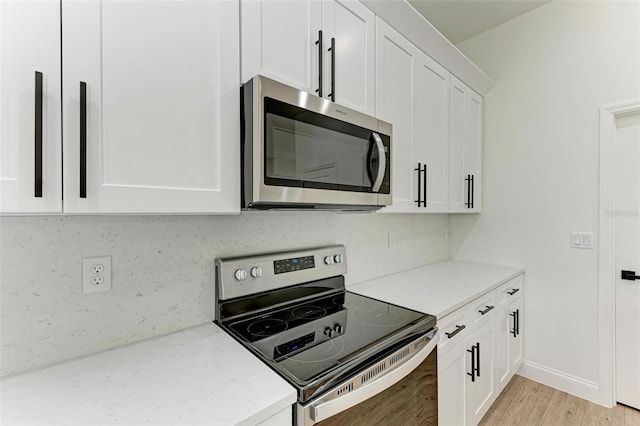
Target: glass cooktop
(307,340)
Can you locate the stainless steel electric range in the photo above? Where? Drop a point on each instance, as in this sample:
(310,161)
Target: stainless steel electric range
(338,349)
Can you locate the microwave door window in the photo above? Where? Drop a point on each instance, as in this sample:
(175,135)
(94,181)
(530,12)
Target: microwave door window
(299,153)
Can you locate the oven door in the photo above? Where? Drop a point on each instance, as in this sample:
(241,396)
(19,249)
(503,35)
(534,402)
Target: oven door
(401,387)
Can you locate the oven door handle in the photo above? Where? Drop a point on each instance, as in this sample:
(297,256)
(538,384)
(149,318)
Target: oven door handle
(323,410)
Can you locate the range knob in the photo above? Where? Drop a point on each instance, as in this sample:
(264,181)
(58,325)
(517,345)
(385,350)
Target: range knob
(240,275)
(338,328)
(256,272)
(329,260)
(337,258)
(328,332)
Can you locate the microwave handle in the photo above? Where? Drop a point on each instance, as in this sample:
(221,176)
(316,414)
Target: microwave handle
(382,162)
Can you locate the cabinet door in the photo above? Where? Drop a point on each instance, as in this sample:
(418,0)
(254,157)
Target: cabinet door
(509,346)
(279,41)
(352,26)
(162,125)
(481,391)
(30,123)
(452,383)
(396,63)
(431,137)
(465,148)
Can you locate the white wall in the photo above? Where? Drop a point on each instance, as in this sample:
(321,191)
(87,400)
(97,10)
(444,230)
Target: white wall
(554,68)
(163,270)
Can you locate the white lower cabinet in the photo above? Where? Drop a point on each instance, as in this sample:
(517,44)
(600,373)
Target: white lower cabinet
(510,345)
(479,352)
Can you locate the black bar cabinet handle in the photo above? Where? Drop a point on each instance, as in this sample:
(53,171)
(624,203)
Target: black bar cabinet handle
(472,351)
(38,138)
(458,329)
(83,139)
(487,310)
(473,187)
(513,291)
(332,49)
(419,170)
(629,275)
(320,52)
(514,330)
(424,186)
(468,180)
(518,321)
(478,360)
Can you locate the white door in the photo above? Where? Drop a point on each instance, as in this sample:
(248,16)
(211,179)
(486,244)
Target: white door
(453,367)
(396,63)
(352,27)
(30,123)
(161,86)
(431,137)
(279,40)
(627,237)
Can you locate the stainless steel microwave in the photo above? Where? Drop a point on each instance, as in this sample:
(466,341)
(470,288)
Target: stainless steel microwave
(302,151)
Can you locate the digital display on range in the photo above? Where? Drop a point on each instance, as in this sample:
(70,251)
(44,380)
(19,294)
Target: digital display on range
(294,345)
(293,264)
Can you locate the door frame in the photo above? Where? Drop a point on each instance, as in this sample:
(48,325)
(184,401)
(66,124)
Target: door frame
(606,255)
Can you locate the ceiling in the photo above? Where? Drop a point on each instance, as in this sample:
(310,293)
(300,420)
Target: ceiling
(459,20)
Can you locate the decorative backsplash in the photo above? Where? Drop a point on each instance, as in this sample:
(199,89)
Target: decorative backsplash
(163,273)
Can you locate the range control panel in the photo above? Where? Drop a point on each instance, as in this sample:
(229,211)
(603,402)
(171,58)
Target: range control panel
(243,276)
(293,264)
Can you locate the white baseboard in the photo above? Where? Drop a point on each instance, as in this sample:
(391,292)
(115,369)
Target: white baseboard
(562,381)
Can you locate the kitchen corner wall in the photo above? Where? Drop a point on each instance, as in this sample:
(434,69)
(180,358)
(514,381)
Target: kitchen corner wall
(163,273)
(554,68)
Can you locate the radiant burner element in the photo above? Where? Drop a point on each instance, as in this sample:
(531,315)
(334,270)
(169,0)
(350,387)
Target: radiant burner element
(309,312)
(386,317)
(266,327)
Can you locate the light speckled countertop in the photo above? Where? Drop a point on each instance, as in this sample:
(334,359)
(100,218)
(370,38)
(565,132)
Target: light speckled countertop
(196,376)
(440,288)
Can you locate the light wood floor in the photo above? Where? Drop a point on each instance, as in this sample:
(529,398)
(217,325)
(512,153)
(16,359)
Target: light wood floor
(525,402)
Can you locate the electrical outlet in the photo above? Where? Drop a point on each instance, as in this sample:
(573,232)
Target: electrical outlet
(96,274)
(392,239)
(445,233)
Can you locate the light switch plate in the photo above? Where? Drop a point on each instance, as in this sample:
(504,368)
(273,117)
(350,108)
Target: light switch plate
(582,240)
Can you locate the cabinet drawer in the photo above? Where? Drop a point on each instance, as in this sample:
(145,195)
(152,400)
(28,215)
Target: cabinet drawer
(453,328)
(483,308)
(510,291)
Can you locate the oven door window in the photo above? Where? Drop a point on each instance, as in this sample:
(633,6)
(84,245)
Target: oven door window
(310,150)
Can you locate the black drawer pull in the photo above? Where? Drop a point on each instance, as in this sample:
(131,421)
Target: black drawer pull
(486,311)
(458,329)
(513,291)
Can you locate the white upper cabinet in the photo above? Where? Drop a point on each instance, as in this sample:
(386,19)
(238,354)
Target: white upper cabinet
(412,92)
(396,63)
(431,144)
(465,148)
(291,41)
(349,68)
(151,103)
(279,40)
(30,124)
